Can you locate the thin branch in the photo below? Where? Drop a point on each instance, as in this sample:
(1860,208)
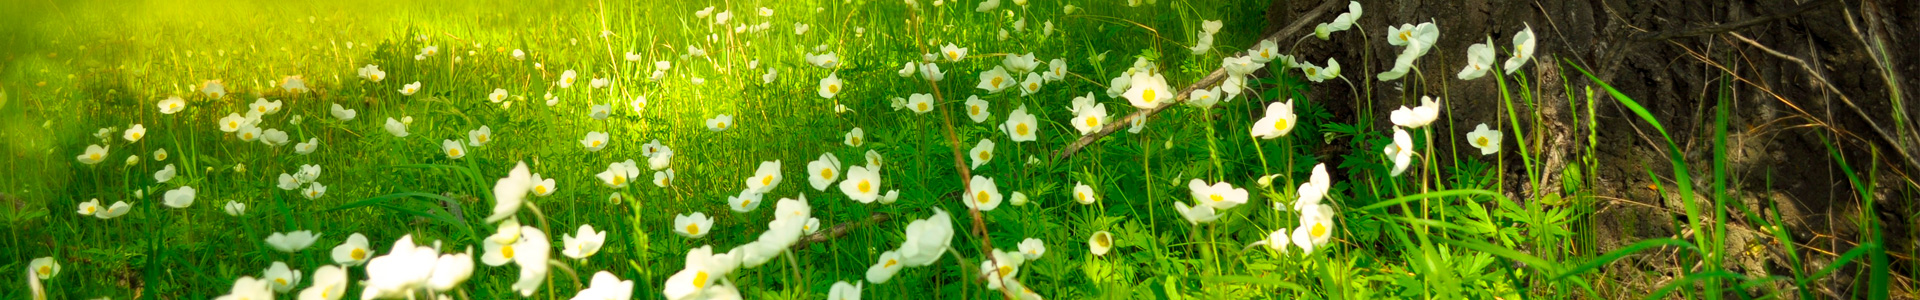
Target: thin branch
(1729,27)
(1212,78)
(840,230)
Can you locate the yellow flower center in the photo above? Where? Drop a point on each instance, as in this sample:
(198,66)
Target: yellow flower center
(1482,141)
(699,280)
(1103,241)
(1006,270)
(453,152)
(1319,230)
(484,138)
(833,89)
(1082,196)
(693,229)
(1020,129)
(986,155)
(1033,86)
(890,263)
(996,82)
(233,124)
(540,189)
(596,144)
(1312,71)
(744,203)
(981,197)
(1147,95)
(46,270)
(263,109)
(923,106)
(619,179)
(1216,198)
(826,174)
(1405,35)
(506,251)
(173,106)
(953,55)
(865,186)
(94,156)
(1093,122)
(249,136)
(766,181)
(90,209)
(358,254)
(136,135)
(973,109)
(280,281)
(856,141)
(721,125)
(1279,124)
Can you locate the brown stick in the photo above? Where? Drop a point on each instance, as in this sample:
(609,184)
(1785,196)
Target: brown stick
(1211,79)
(840,230)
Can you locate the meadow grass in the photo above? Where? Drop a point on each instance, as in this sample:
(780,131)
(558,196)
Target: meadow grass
(1446,229)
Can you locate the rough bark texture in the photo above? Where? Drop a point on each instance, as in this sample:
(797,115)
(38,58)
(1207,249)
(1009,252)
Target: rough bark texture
(1672,57)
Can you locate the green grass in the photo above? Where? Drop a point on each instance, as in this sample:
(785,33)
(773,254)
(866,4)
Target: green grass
(1443,230)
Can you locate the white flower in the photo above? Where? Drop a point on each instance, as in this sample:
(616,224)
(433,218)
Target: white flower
(987,5)
(995,80)
(772,74)
(599,111)
(89,207)
(248,132)
(747,201)
(639,104)
(94,155)
(1417,38)
(1147,91)
(827,61)
(114,211)
(619,174)
(703,270)
(235,208)
(842,290)
(1031,85)
(931,72)
(1400,151)
(1084,194)
(353,252)
(884,269)
(765,178)
(453,149)
(1090,118)
(1220,195)
(1479,61)
(342,113)
(981,154)
(1523,44)
(292,242)
(248,288)
(908,69)
(1240,65)
(692,226)
(509,192)
(1196,214)
(479,137)
(584,243)
(405,268)
(1279,121)
(180,197)
(927,239)
(1056,69)
(822,172)
(213,88)
(372,73)
(719,123)
(1419,116)
(281,278)
(606,287)
(920,103)
(410,88)
(1033,248)
(1316,228)
(172,105)
(594,141)
(977,109)
(982,193)
(396,128)
(329,283)
(1021,126)
(1312,191)
(1264,52)
(862,184)
(307,173)
(601,82)
(1100,243)
(1487,140)
(1020,63)
(1232,86)
(164,174)
(829,87)
(294,84)
(273,137)
(314,191)
(134,133)
(533,263)
(812,226)
(953,53)
(449,270)
(160,154)
(663,178)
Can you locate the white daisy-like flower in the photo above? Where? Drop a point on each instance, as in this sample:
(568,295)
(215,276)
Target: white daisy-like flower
(977,110)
